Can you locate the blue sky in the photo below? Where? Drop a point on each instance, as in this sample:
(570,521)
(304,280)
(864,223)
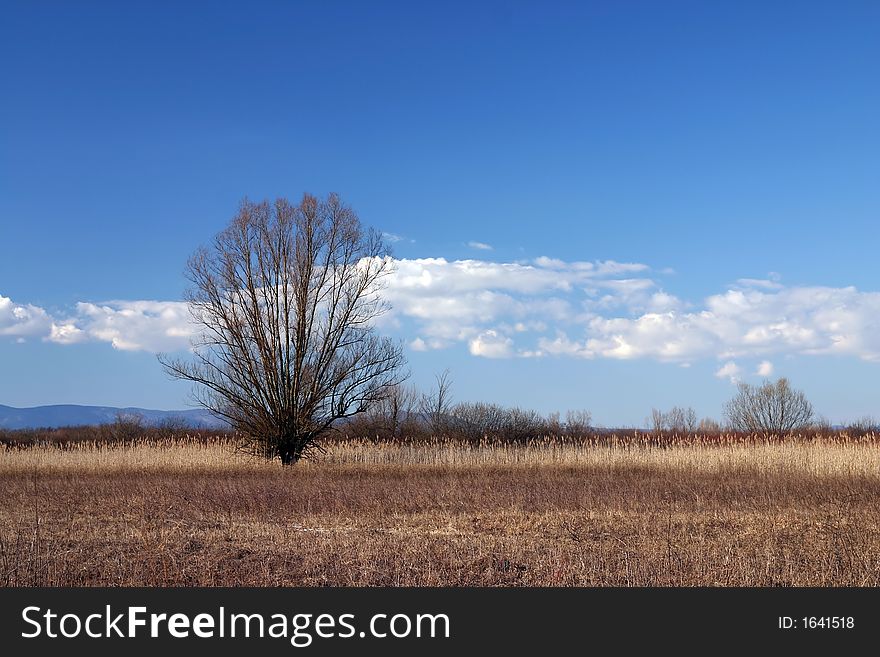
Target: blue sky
(726,153)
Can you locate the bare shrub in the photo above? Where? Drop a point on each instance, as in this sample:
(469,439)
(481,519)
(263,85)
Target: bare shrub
(864,425)
(769,408)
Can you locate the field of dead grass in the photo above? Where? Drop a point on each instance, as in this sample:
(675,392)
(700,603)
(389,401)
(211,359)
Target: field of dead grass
(552,513)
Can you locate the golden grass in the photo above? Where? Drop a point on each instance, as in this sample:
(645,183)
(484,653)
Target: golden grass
(759,513)
(815,458)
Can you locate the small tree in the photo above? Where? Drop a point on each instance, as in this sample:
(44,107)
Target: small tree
(677,420)
(708,425)
(285,299)
(769,408)
(864,425)
(394,415)
(435,406)
(578,423)
(127,426)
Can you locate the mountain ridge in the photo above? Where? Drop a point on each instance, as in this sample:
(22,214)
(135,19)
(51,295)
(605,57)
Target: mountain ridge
(67,415)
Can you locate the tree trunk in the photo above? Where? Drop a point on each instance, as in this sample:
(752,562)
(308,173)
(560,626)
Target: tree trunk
(290,450)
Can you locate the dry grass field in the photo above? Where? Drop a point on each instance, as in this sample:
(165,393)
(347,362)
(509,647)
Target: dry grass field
(612,513)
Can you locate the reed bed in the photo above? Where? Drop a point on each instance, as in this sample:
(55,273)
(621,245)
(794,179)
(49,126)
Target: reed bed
(803,455)
(630,510)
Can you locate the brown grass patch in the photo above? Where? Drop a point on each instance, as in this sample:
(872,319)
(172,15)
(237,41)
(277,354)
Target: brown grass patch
(437,514)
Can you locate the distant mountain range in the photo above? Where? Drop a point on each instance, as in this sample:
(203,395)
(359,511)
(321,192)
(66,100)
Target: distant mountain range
(68,415)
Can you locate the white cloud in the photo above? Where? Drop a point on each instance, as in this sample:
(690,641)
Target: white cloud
(539,308)
(766,284)
(455,301)
(664,336)
(599,310)
(66,333)
(730,370)
(663,302)
(550,263)
(22,321)
(491,344)
(393,238)
(127,325)
(809,320)
(612,267)
(480,246)
(561,345)
(138,325)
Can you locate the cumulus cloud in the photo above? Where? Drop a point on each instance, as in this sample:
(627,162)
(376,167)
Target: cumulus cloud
(544,307)
(137,325)
(22,320)
(418,345)
(738,323)
(66,333)
(456,301)
(153,326)
(561,345)
(601,310)
(126,325)
(491,344)
(730,370)
(480,246)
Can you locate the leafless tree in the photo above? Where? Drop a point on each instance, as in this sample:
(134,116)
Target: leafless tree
(482,420)
(285,299)
(769,408)
(436,405)
(578,423)
(864,425)
(681,420)
(127,426)
(173,426)
(657,420)
(676,420)
(476,420)
(395,412)
(708,425)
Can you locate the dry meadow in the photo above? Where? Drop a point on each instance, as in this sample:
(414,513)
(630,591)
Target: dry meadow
(611,512)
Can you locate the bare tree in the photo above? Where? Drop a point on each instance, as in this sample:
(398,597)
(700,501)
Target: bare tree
(578,423)
(396,411)
(657,420)
(480,420)
(769,408)
(285,299)
(708,425)
(127,426)
(436,405)
(681,420)
(864,425)
(678,419)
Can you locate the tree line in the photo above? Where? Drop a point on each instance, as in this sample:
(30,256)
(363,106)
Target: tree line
(405,413)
